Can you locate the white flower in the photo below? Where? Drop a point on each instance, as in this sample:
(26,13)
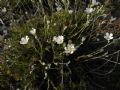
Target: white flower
(112,19)
(45,75)
(108,36)
(70,11)
(58,39)
(46,67)
(24,40)
(94,2)
(59,8)
(83,39)
(87,22)
(4,10)
(33,31)
(26,12)
(17,89)
(65,28)
(103,22)
(56,64)
(43,63)
(48,22)
(70,48)
(54,24)
(89,10)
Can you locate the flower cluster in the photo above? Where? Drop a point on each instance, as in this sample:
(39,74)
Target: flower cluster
(24,40)
(33,31)
(108,36)
(89,10)
(94,2)
(58,39)
(69,48)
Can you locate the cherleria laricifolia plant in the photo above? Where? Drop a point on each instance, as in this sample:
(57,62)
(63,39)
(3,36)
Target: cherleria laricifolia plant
(44,52)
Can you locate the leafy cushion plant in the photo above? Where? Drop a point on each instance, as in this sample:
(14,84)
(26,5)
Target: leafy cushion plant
(48,52)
